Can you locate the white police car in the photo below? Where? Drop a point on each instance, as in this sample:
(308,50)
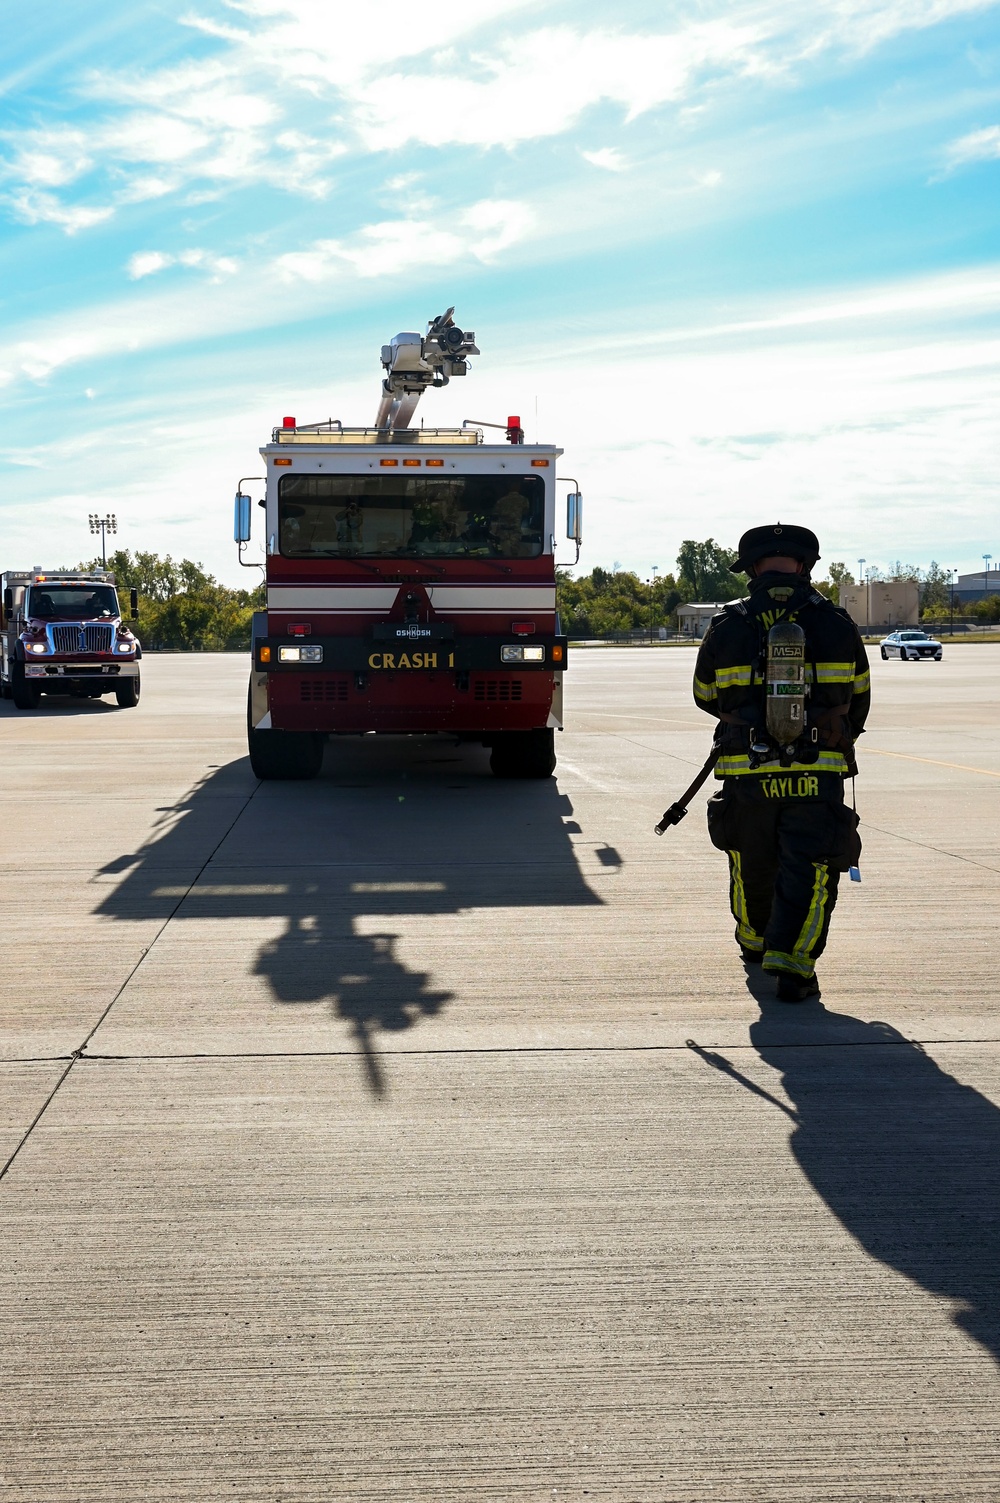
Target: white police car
(910,646)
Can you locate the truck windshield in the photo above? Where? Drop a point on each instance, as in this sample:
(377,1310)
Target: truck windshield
(57,602)
(397,516)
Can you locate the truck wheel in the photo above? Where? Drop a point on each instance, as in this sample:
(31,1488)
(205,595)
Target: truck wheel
(285,755)
(524,754)
(127,693)
(25,693)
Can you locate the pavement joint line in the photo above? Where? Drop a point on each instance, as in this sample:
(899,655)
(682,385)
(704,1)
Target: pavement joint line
(78,1054)
(900,1043)
(982,772)
(924,846)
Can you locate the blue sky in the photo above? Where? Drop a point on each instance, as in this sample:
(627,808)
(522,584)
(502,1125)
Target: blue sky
(741,259)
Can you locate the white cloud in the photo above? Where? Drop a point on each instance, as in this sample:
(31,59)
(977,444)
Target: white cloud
(147,263)
(977,146)
(609,157)
(482,231)
(32,206)
(294,84)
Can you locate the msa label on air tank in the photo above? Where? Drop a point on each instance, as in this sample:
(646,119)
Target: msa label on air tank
(793,650)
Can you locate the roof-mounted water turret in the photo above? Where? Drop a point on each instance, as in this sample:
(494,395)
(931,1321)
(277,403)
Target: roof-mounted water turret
(413,363)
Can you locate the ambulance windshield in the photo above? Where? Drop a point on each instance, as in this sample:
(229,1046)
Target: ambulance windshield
(400,515)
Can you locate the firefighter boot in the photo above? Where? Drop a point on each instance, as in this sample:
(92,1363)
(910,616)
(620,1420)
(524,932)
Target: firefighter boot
(796,988)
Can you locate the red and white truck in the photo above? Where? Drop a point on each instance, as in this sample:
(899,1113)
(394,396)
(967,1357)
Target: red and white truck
(410,579)
(62,632)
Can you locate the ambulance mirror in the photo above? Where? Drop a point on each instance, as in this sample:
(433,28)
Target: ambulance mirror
(574,517)
(133,604)
(241,518)
(8,601)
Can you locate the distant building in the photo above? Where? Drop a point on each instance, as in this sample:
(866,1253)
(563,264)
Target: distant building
(882,604)
(693,620)
(977,585)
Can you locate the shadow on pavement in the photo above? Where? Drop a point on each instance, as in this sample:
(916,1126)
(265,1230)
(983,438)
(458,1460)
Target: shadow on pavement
(392,829)
(904,1155)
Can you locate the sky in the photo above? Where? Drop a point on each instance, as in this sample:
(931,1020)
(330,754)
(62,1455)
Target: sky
(739,258)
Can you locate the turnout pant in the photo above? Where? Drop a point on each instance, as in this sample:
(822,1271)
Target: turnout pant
(785,837)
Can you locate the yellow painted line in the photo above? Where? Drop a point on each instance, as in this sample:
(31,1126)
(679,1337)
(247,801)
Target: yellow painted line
(931,762)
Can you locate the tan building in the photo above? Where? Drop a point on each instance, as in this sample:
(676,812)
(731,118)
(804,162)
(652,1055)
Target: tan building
(882,604)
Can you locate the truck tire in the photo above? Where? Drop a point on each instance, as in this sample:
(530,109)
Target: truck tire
(127,693)
(25,694)
(523,754)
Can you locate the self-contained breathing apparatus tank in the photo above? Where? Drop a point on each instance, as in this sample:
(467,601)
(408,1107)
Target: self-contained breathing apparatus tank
(785,683)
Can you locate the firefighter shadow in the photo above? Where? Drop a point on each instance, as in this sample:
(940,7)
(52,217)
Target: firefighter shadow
(389,835)
(905,1155)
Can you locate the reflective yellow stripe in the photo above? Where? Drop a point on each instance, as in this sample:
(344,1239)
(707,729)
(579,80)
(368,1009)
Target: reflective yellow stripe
(704,692)
(738,765)
(862,682)
(780,960)
(745,932)
(813,925)
(835,673)
(732,678)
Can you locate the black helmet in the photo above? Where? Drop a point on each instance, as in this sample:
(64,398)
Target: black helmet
(763,542)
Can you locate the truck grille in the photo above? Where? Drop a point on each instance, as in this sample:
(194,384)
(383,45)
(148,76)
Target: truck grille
(325,691)
(81,638)
(494,690)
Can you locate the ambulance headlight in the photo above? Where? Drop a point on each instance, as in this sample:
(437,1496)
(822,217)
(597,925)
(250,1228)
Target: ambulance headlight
(300,654)
(516,653)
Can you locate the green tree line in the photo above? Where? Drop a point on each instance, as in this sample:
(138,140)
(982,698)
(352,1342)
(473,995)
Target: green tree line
(608,601)
(180,605)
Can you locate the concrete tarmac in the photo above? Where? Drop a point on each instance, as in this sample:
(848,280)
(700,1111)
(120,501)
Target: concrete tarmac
(411,1135)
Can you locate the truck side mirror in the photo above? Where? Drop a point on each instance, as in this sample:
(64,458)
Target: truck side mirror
(8,601)
(574,517)
(241,518)
(133,603)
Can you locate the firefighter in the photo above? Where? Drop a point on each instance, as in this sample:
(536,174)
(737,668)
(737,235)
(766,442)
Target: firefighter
(790,704)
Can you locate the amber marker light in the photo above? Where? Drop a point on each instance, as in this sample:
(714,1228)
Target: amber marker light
(557,654)
(282,461)
(411,464)
(265,654)
(435,464)
(539,464)
(389,464)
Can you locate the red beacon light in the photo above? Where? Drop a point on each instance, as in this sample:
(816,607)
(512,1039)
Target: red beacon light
(523,628)
(515,433)
(299,629)
(288,422)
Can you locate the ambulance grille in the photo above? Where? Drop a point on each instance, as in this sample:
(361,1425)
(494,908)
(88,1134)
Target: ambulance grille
(497,690)
(322,691)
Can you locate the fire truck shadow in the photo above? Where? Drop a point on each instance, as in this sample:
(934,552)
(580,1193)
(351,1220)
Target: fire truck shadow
(904,1155)
(335,872)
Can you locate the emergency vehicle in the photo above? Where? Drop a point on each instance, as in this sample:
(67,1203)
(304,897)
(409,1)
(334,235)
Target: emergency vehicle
(62,632)
(410,579)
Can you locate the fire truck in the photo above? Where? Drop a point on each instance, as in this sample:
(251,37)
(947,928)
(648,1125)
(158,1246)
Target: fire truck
(62,632)
(410,577)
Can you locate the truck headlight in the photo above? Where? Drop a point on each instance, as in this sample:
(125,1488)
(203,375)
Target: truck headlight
(300,654)
(125,647)
(518,654)
(37,646)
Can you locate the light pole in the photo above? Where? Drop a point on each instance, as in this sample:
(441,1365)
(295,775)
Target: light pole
(103,525)
(652,599)
(986,573)
(951,629)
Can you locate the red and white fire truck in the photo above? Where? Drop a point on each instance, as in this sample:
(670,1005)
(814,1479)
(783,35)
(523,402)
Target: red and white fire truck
(410,579)
(62,632)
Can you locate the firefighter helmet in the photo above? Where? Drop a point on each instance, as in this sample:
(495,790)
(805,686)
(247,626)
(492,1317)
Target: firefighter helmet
(789,541)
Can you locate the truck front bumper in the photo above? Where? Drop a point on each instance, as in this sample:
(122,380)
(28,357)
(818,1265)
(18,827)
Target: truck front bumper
(90,673)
